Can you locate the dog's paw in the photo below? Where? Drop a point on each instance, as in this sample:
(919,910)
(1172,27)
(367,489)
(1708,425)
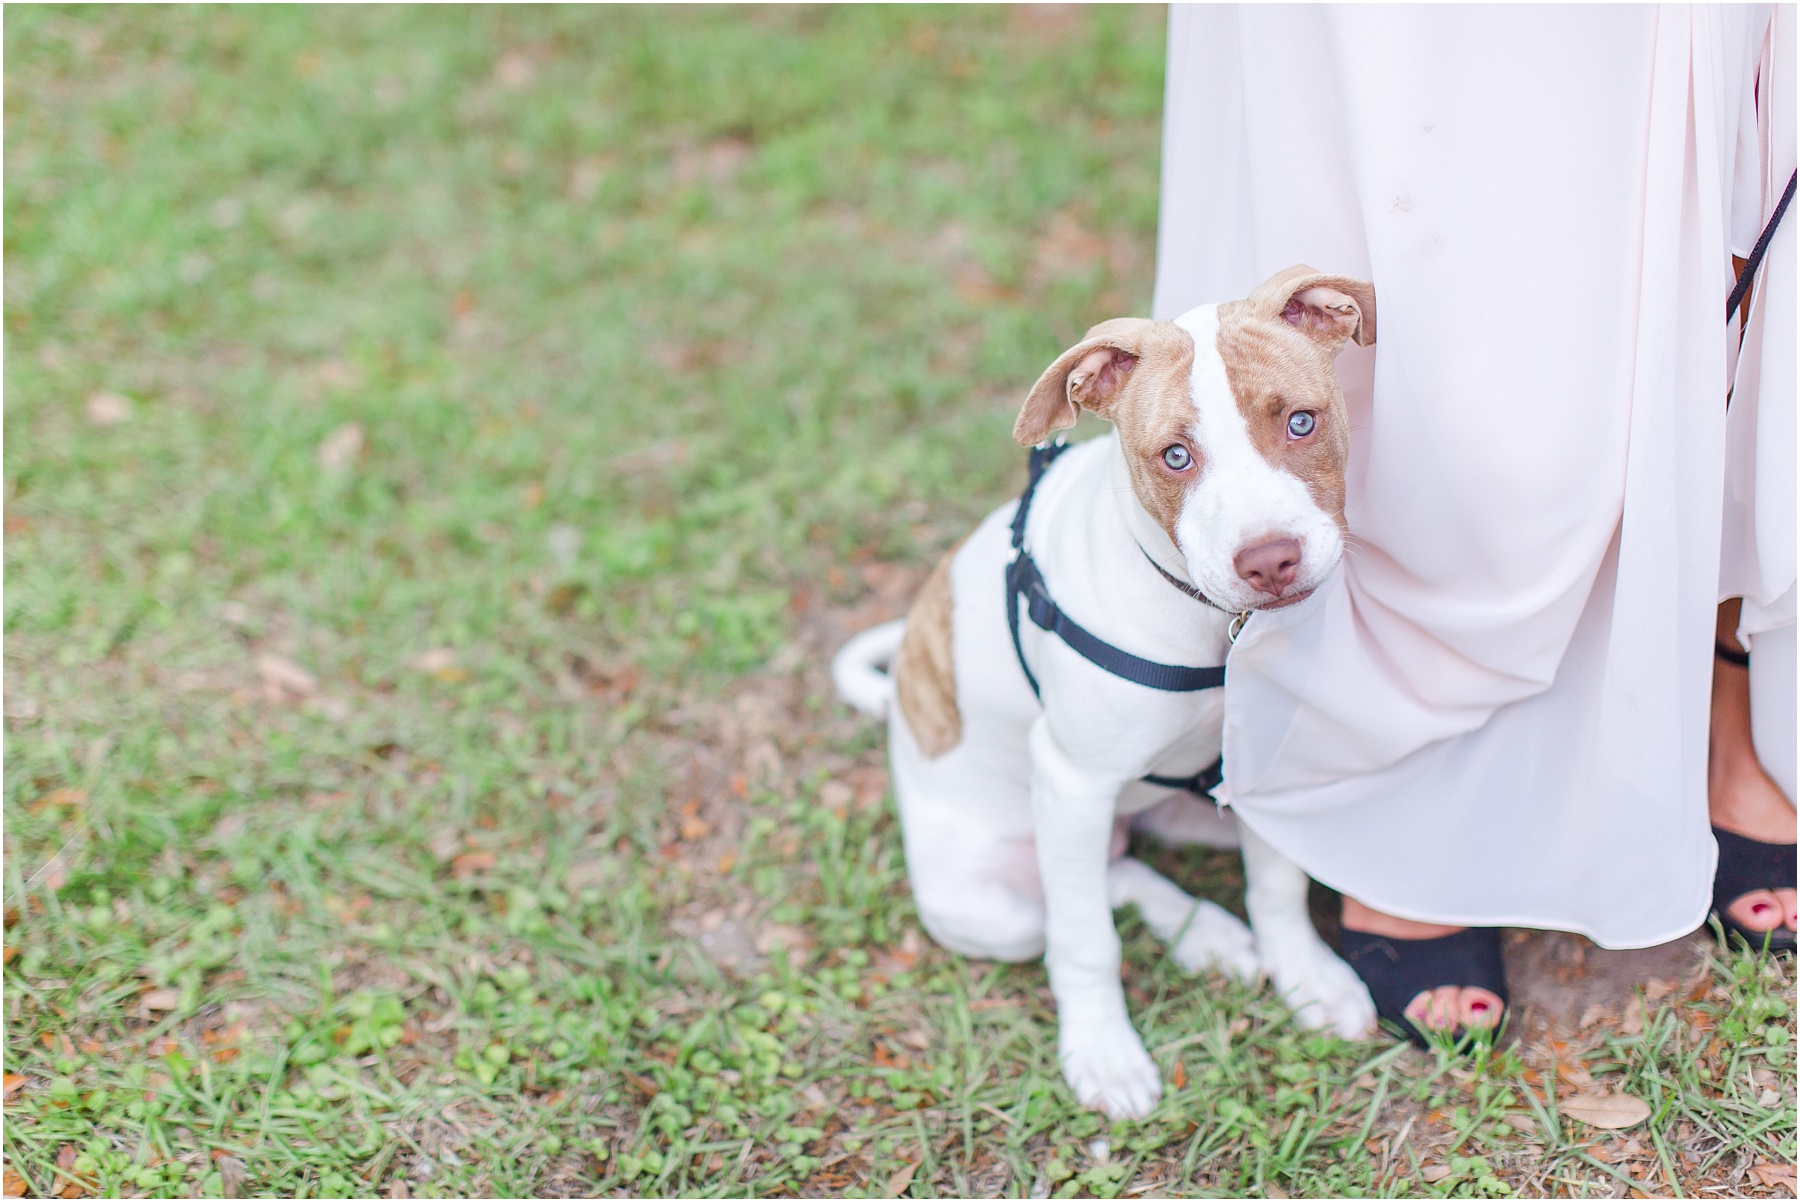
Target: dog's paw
(1216,938)
(1324,992)
(1107,1067)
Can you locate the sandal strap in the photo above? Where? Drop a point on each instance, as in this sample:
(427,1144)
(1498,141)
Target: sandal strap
(1745,866)
(1398,970)
(1731,655)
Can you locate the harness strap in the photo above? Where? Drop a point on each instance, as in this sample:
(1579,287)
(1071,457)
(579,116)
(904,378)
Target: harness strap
(1042,456)
(1201,784)
(1024,580)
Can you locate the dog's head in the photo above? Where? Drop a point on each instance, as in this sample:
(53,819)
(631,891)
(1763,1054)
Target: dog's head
(1233,428)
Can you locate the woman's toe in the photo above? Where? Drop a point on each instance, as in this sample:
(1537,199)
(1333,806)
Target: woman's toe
(1786,899)
(1761,910)
(1435,1009)
(1481,1008)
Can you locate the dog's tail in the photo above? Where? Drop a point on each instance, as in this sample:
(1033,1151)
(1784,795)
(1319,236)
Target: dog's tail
(859,669)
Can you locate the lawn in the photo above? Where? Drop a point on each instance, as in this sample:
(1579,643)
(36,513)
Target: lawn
(442,448)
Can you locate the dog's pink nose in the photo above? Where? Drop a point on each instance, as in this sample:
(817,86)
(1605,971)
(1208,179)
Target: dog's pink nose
(1269,567)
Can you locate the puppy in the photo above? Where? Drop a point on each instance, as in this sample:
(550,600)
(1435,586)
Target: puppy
(1034,701)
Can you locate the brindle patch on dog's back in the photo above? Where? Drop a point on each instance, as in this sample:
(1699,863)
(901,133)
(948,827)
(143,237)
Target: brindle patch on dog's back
(925,669)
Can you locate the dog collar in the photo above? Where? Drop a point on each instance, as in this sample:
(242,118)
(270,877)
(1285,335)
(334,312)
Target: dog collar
(1238,616)
(1184,586)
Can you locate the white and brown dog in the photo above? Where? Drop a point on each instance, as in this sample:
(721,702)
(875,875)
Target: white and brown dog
(1221,492)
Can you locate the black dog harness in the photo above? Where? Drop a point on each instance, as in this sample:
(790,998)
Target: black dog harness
(1024,581)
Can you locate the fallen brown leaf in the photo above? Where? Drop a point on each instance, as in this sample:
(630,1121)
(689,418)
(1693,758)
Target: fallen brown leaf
(693,828)
(1772,1175)
(340,448)
(73,1186)
(58,797)
(284,675)
(896,1185)
(885,1057)
(162,999)
(1066,248)
(438,659)
(782,935)
(1574,1076)
(15,1186)
(513,70)
(11,951)
(472,862)
(1179,1077)
(108,409)
(14,1083)
(443,843)
(232,1172)
(1608,1111)
(1434,1173)
(836,796)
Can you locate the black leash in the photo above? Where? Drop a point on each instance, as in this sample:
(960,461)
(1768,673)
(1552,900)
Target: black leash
(1747,277)
(1024,581)
(1748,274)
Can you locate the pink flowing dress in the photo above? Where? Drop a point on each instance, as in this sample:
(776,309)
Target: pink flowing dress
(1496,713)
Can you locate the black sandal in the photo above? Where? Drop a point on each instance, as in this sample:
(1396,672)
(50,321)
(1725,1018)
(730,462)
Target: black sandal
(1745,866)
(1398,970)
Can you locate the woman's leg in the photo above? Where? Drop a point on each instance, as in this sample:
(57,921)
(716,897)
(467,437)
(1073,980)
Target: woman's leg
(1741,795)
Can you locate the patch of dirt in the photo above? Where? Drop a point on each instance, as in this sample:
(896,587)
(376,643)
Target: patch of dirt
(767,735)
(1562,984)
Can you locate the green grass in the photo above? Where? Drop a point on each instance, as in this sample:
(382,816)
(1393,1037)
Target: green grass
(421,771)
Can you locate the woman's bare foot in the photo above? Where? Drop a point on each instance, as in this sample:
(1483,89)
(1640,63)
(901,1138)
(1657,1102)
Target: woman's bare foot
(1441,1009)
(1740,796)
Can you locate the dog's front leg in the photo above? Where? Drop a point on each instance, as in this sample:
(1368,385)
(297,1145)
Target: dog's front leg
(1321,989)
(1102,1057)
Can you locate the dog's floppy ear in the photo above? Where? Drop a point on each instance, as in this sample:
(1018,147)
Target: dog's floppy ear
(1091,374)
(1329,309)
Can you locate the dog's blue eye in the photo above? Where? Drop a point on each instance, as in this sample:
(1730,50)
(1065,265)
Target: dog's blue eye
(1301,424)
(1177,458)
